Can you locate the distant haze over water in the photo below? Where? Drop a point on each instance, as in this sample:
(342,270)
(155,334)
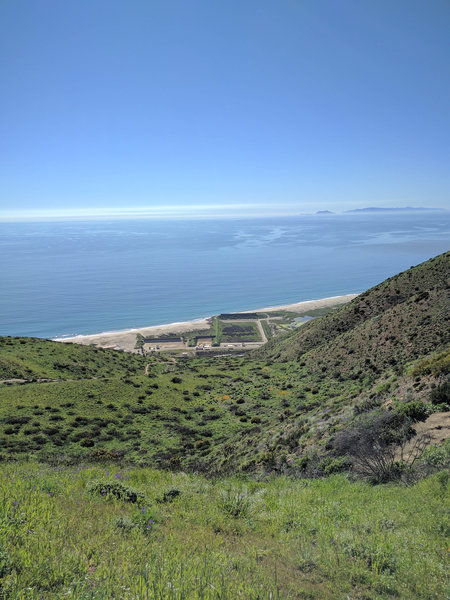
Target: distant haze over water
(73,277)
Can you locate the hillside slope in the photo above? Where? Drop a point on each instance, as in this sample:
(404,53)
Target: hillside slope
(34,358)
(263,412)
(399,320)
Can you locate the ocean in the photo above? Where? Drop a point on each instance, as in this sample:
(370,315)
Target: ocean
(68,278)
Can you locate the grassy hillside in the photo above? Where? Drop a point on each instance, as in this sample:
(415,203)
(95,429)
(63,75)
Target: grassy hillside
(268,412)
(391,324)
(34,358)
(85,514)
(62,535)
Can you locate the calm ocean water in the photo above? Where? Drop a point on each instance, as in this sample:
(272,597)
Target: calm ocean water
(66,278)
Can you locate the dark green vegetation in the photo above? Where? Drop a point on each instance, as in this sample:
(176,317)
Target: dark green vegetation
(240,332)
(340,393)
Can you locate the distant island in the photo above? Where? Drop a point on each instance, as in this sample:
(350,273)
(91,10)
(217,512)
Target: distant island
(324,212)
(395,209)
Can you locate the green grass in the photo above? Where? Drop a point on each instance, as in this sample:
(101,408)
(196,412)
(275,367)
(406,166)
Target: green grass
(267,329)
(217,330)
(226,539)
(216,414)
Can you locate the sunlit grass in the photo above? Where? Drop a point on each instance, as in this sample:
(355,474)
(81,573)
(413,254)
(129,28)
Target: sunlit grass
(230,538)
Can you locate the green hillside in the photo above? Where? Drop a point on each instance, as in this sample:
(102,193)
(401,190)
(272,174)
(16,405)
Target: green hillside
(271,411)
(223,477)
(397,321)
(33,358)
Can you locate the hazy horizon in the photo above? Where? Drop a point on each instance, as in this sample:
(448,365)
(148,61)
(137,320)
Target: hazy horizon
(258,211)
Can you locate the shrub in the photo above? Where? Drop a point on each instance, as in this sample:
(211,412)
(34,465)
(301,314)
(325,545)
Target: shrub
(141,522)
(372,443)
(202,444)
(17,420)
(115,489)
(11,430)
(416,410)
(139,410)
(170,495)
(331,465)
(100,454)
(441,394)
(87,443)
(437,456)
(51,431)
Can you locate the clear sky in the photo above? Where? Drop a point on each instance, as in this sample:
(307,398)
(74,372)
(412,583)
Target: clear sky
(288,105)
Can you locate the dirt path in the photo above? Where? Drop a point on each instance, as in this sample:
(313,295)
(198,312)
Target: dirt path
(28,380)
(261,331)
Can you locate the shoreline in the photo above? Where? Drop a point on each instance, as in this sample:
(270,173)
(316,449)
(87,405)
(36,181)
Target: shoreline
(125,339)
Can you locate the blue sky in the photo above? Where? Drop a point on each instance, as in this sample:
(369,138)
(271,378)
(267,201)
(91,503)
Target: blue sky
(256,105)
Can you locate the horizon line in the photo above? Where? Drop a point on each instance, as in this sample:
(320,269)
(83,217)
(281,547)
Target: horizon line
(213,211)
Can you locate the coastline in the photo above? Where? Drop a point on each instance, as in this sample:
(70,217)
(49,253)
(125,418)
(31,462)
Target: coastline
(126,339)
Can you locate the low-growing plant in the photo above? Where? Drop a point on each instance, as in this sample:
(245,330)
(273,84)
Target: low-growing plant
(115,489)
(236,504)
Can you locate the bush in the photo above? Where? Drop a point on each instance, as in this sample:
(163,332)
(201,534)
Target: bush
(372,443)
(115,489)
(441,394)
(100,454)
(437,456)
(17,420)
(87,443)
(141,522)
(170,496)
(331,465)
(416,410)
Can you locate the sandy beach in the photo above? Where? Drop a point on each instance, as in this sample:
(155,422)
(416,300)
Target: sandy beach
(126,339)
